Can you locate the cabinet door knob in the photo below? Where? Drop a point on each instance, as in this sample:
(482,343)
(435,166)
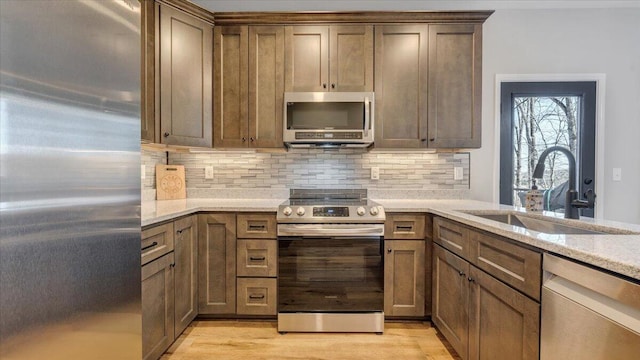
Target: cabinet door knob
(461,273)
(179,232)
(389,250)
(471,279)
(252,139)
(166,134)
(333,86)
(432,139)
(324,86)
(244,139)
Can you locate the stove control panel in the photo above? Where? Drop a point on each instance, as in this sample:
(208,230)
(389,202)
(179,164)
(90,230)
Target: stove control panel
(330,214)
(331,211)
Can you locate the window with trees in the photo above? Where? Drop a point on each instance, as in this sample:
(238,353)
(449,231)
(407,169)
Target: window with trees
(538,115)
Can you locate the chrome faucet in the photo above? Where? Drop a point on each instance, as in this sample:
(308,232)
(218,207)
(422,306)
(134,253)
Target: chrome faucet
(571,203)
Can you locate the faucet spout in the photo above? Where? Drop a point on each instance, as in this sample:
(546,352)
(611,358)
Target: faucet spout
(572,201)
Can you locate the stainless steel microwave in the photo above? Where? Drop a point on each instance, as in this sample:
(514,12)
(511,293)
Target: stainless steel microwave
(328,119)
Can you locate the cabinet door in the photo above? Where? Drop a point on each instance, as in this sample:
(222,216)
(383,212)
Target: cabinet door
(157,307)
(230,102)
(455,81)
(404,226)
(257,296)
(450,312)
(404,278)
(266,85)
(156,241)
(185,79)
(503,323)
(453,237)
(512,264)
(257,258)
(148,27)
(401,86)
(257,226)
(351,58)
(306,58)
(186,272)
(217,263)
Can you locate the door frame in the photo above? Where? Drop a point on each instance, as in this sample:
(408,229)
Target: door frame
(600,80)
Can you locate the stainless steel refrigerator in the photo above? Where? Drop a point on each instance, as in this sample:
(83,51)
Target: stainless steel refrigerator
(70,179)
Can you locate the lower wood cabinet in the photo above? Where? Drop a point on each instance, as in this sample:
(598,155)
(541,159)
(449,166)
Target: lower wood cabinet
(169,286)
(217,263)
(257,296)
(257,264)
(186,272)
(157,307)
(481,317)
(404,280)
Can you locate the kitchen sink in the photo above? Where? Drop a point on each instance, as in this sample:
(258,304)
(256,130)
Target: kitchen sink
(548,226)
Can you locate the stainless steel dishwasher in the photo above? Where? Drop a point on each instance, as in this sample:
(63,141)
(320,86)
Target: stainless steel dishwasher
(587,314)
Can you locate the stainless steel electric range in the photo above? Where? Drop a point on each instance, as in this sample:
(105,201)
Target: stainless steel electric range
(330,262)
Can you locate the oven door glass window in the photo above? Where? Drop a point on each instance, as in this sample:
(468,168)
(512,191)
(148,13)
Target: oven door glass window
(330,274)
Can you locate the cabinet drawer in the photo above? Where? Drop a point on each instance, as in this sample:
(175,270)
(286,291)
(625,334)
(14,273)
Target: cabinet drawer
(452,236)
(256,296)
(515,265)
(156,241)
(257,258)
(404,226)
(257,226)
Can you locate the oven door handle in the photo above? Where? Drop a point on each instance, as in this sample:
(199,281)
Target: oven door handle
(325,230)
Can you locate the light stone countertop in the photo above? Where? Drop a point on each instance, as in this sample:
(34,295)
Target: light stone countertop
(617,253)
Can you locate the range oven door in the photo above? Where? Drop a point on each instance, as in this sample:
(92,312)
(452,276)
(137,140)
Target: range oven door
(330,268)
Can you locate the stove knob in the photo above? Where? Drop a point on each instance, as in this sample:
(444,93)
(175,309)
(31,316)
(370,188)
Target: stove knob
(374,211)
(287,211)
(361,211)
(300,211)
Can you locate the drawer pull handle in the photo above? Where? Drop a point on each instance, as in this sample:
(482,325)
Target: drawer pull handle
(257,258)
(404,228)
(257,227)
(155,243)
(256,297)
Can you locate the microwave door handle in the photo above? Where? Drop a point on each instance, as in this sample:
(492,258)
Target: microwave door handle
(366,117)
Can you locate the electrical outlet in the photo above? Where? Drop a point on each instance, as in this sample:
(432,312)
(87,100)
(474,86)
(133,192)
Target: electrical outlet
(143,172)
(458,173)
(617,174)
(375,173)
(208,172)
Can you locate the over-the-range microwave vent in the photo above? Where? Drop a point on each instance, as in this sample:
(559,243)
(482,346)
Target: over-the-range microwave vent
(328,119)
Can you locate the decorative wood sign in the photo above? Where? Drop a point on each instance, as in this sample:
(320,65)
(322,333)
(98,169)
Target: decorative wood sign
(170,183)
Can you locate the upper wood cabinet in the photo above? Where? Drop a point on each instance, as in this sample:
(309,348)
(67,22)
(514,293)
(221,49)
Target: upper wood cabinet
(401,54)
(428,86)
(230,102)
(455,82)
(329,58)
(249,86)
(185,63)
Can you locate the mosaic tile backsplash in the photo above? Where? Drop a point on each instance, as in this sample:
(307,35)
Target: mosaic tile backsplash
(315,168)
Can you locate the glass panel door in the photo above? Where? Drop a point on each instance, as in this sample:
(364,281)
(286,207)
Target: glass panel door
(536,116)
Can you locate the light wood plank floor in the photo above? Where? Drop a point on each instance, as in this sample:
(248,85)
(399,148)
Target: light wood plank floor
(224,339)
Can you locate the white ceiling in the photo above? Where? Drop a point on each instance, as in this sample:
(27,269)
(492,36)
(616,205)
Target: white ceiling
(404,5)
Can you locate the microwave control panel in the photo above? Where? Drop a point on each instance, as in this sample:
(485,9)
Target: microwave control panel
(312,135)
